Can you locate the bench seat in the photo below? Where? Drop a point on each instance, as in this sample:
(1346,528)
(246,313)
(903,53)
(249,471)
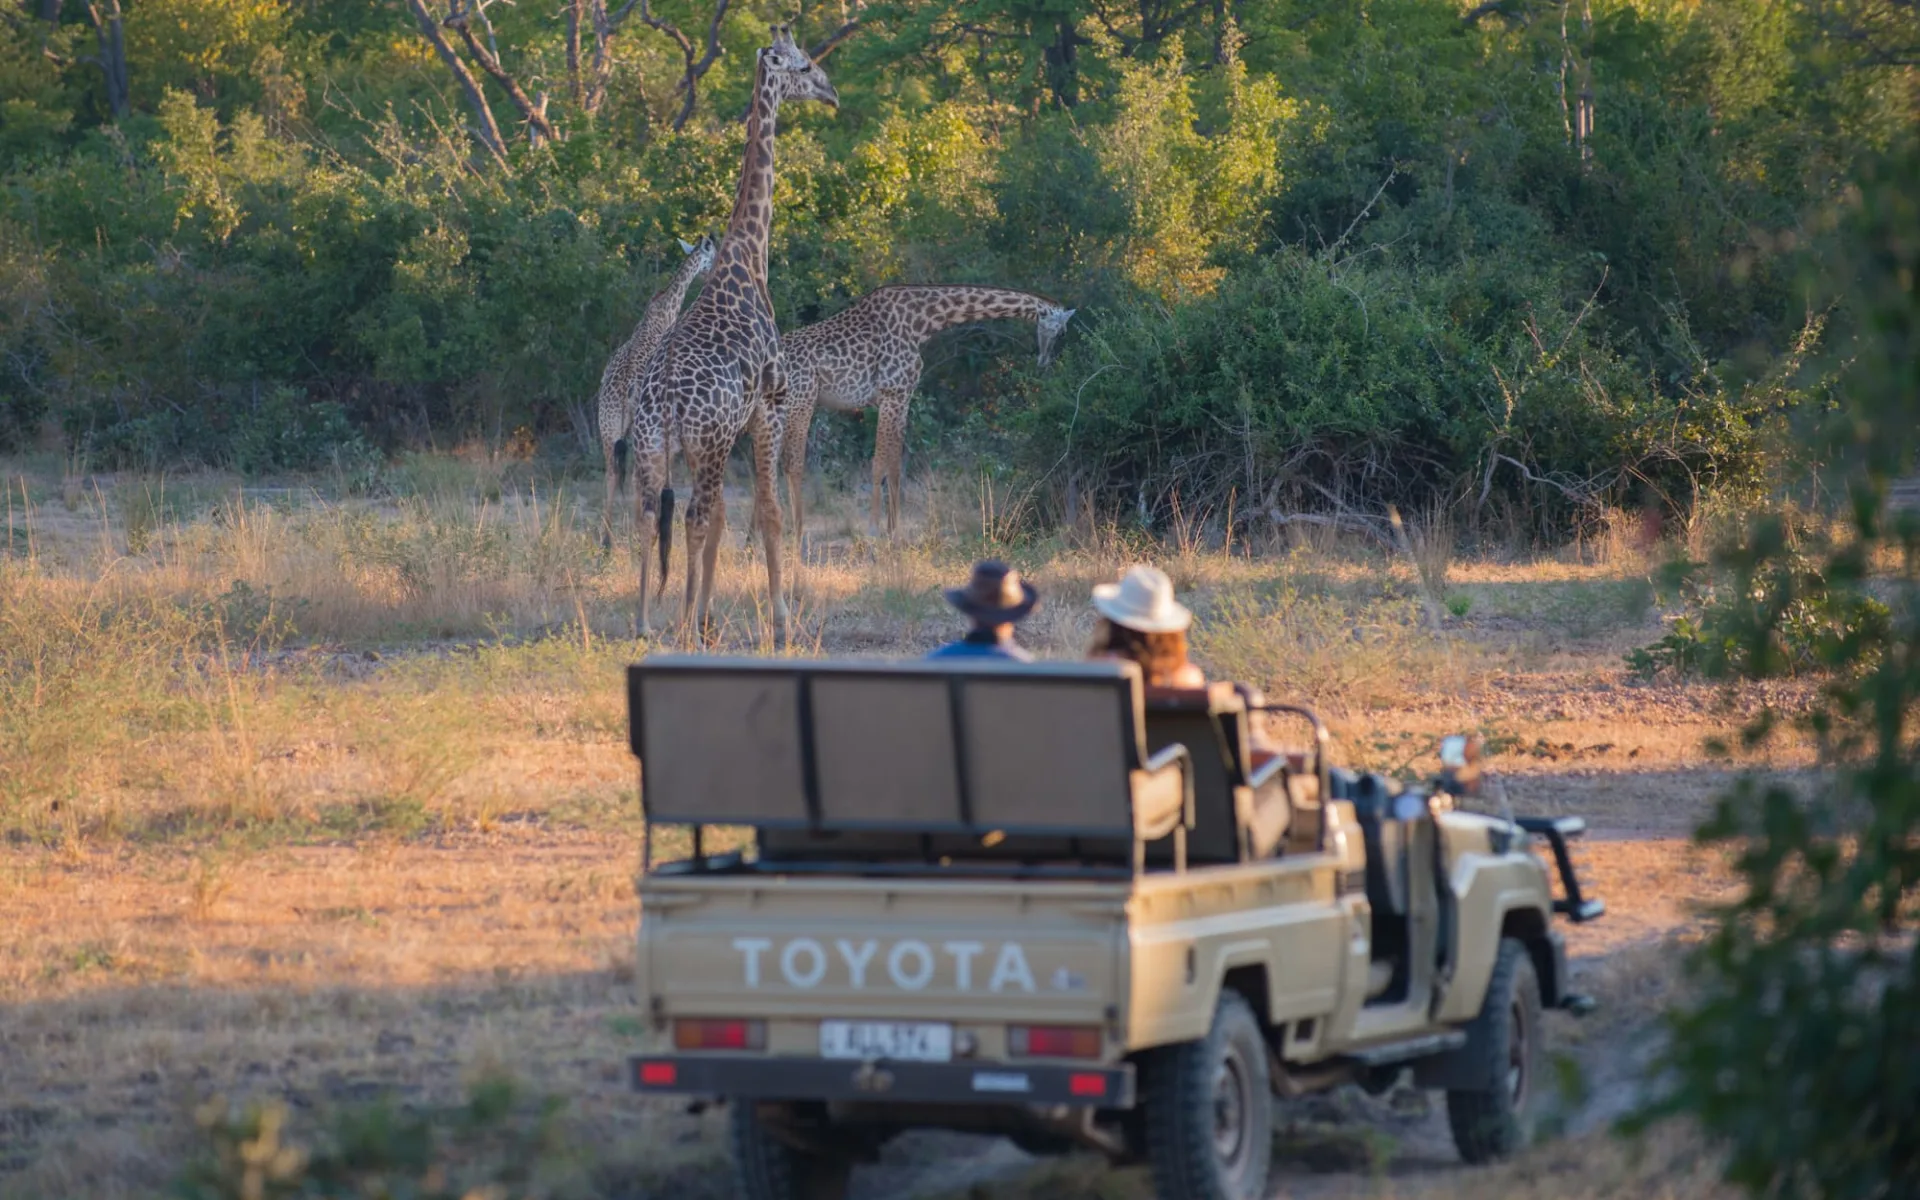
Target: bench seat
(922,760)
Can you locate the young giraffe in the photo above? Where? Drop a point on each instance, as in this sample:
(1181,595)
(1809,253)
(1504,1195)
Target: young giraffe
(622,375)
(869,354)
(720,373)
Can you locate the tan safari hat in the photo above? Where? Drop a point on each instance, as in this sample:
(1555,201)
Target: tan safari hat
(1142,601)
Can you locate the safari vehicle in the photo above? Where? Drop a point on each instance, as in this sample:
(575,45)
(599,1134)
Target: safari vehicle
(1041,901)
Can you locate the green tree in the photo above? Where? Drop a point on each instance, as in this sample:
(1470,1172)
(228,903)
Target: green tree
(1799,1053)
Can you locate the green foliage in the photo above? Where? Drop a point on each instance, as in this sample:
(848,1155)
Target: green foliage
(1812,622)
(1382,373)
(1797,1051)
(493,1145)
(1352,247)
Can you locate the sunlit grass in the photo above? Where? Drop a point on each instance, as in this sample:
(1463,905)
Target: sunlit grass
(297,663)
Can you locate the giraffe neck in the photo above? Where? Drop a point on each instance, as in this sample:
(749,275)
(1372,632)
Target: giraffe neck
(667,301)
(752,221)
(928,310)
(683,278)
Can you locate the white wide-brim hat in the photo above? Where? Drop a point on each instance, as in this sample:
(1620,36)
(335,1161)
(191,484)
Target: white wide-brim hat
(1143,601)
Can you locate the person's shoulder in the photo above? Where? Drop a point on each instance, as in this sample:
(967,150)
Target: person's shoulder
(1189,676)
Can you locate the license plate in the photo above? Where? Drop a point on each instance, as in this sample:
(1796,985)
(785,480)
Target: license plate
(903,1041)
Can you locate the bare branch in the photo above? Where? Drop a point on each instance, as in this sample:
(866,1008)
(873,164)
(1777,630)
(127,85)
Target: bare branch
(1362,214)
(1333,521)
(486,129)
(835,40)
(534,114)
(1581,494)
(696,67)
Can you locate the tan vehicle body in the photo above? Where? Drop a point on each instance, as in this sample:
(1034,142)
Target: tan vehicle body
(1150,956)
(955,864)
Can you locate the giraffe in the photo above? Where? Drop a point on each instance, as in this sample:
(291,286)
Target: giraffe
(868,354)
(623,371)
(720,373)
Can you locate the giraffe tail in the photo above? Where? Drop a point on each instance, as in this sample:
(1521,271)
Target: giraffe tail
(666,535)
(620,457)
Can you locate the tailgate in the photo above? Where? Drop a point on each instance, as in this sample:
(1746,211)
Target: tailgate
(795,951)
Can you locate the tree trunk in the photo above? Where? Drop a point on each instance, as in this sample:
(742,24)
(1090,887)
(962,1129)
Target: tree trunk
(576,86)
(108,31)
(1063,78)
(485,128)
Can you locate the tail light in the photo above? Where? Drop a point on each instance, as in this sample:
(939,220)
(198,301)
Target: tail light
(720,1035)
(1054,1041)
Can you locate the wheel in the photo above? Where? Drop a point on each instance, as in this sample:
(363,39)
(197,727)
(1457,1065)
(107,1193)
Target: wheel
(771,1169)
(1208,1110)
(1497,1119)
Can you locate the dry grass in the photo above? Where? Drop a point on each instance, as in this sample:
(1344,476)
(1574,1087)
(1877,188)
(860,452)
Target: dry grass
(309,796)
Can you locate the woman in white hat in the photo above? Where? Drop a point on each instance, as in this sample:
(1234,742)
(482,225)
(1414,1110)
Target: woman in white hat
(1141,622)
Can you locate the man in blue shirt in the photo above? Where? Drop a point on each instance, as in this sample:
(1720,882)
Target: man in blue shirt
(994,599)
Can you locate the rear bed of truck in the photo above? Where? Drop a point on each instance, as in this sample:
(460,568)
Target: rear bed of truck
(909,989)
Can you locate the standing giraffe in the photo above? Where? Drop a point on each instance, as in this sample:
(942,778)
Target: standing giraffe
(622,375)
(869,354)
(720,372)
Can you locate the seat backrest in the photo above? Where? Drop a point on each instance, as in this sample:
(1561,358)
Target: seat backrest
(949,750)
(720,747)
(1065,750)
(1211,723)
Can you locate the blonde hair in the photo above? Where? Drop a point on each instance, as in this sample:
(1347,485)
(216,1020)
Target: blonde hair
(1160,655)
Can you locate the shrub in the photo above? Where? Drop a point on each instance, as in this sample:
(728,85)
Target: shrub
(1812,621)
(493,1145)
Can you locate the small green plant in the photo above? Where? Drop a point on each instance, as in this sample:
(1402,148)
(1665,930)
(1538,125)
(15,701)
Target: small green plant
(1459,604)
(1812,621)
(494,1145)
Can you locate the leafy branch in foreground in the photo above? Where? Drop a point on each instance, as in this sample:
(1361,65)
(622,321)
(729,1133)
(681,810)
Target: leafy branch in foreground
(1798,1053)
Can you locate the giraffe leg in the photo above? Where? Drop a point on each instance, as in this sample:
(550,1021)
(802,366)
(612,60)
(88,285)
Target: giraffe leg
(714,523)
(793,459)
(889,446)
(650,471)
(695,529)
(606,513)
(766,510)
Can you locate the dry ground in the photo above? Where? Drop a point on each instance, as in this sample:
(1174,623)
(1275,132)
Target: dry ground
(323,798)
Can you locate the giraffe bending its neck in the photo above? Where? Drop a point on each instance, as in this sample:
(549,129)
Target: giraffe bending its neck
(869,355)
(719,373)
(622,375)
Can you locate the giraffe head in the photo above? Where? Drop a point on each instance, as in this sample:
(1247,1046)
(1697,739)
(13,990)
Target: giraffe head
(699,256)
(1052,323)
(791,75)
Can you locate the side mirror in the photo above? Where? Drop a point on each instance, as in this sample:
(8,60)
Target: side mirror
(1460,763)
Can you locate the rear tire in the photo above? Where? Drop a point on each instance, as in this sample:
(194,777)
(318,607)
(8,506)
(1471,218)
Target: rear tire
(1496,1120)
(771,1169)
(1208,1110)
